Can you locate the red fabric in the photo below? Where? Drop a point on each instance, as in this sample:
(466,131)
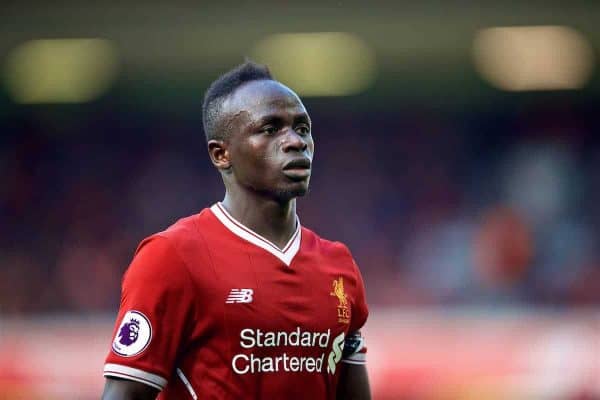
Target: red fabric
(181,278)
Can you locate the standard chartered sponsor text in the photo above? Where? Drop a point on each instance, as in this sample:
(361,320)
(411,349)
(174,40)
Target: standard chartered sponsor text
(244,364)
(251,363)
(250,338)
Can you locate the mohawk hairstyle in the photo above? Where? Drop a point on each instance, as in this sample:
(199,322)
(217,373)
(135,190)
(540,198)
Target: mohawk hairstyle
(224,86)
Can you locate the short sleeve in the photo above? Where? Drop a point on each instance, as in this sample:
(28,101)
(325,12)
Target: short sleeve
(354,345)
(155,315)
(360,310)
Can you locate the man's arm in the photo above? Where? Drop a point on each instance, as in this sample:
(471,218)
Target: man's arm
(122,389)
(353,383)
(156,312)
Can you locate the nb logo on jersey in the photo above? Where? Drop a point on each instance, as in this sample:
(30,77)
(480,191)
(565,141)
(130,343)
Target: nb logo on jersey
(240,296)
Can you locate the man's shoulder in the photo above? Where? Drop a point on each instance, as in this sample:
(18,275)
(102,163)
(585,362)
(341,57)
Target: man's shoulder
(327,247)
(184,231)
(188,227)
(179,246)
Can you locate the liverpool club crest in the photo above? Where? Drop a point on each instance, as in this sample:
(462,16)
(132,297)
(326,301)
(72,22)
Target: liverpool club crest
(343,311)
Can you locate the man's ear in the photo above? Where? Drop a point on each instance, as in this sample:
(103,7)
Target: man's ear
(219,154)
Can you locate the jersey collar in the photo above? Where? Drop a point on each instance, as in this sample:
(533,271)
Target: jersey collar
(286,254)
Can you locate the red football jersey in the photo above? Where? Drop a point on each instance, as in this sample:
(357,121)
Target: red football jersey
(212,310)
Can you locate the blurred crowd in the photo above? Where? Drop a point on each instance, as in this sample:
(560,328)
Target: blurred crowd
(480,207)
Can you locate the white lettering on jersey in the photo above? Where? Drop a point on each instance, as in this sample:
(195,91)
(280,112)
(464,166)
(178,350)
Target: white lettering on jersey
(255,362)
(240,296)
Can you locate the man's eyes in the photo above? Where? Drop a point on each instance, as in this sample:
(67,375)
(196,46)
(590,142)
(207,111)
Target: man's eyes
(301,129)
(268,129)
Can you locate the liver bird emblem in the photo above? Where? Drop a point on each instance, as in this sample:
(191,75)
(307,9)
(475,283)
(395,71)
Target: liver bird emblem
(338,291)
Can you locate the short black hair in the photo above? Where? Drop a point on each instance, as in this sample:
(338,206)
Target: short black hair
(224,86)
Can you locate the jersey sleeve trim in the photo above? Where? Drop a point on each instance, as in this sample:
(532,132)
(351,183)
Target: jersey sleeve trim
(134,374)
(356,358)
(187,383)
(354,362)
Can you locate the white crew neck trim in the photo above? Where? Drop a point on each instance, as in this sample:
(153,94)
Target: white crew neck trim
(286,255)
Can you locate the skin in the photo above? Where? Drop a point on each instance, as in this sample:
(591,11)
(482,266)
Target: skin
(353,383)
(268,127)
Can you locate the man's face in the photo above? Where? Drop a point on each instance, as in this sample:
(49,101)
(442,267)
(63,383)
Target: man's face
(270,144)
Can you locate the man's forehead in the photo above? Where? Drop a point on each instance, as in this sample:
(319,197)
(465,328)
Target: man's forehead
(262,97)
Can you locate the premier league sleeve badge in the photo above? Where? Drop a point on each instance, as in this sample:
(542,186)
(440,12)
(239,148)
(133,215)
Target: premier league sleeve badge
(133,336)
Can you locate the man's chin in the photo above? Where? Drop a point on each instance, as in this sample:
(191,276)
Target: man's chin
(292,193)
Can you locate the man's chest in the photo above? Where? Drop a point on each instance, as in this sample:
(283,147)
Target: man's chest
(263,316)
(258,291)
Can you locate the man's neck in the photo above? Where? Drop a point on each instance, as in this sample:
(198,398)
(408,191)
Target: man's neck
(273,220)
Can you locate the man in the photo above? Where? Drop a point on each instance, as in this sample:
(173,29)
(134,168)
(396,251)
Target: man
(240,301)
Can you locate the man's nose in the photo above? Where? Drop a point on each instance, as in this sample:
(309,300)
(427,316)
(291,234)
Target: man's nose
(293,141)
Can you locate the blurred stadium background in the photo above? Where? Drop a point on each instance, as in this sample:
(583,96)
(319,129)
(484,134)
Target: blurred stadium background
(458,156)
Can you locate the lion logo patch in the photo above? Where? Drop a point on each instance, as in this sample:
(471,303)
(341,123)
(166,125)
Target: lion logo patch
(134,334)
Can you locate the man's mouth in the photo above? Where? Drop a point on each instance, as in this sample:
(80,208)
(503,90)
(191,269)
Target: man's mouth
(298,169)
(299,163)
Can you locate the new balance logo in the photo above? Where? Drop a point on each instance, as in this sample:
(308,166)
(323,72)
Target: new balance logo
(240,296)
